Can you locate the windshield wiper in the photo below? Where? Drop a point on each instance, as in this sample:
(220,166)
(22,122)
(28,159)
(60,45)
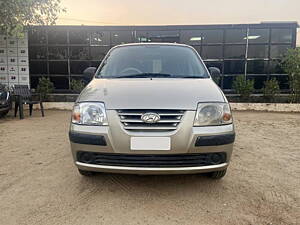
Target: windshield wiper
(198,77)
(144,75)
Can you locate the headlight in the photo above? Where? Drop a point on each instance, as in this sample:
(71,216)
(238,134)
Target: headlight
(209,114)
(89,113)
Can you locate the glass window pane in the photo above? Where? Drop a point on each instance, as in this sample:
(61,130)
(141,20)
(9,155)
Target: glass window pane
(95,63)
(212,52)
(79,53)
(258,35)
(191,37)
(121,37)
(79,37)
(257,67)
(275,67)
(98,53)
(212,36)
(57,36)
(258,81)
(100,38)
(258,51)
(60,82)
(37,36)
(58,52)
(78,67)
(235,51)
(235,35)
(283,81)
(58,67)
(277,51)
(162,36)
(198,49)
(219,65)
(34,81)
(227,82)
(38,67)
(281,35)
(234,67)
(37,52)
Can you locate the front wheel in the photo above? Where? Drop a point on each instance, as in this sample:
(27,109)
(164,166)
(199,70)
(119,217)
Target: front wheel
(86,173)
(217,174)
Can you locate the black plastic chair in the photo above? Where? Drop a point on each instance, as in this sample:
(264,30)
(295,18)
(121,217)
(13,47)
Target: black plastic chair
(24,96)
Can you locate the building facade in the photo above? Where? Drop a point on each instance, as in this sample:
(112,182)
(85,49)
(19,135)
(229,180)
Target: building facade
(252,50)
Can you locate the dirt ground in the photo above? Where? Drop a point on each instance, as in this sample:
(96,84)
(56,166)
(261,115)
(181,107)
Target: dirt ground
(40,185)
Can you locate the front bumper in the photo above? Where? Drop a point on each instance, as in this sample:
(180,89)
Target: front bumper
(114,139)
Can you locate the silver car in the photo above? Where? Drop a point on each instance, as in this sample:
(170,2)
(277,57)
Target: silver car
(152,109)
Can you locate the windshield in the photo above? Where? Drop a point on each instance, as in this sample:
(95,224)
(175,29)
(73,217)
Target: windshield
(152,61)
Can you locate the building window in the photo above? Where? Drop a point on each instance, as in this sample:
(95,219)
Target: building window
(235,36)
(57,36)
(80,53)
(258,51)
(234,51)
(281,36)
(79,37)
(219,65)
(38,67)
(121,37)
(60,82)
(258,36)
(212,52)
(191,37)
(257,67)
(58,53)
(37,36)
(101,38)
(275,67)
(258,81)
(39,53)
(77,67)
(98,53)
(212,36)
(277,51)
(283,81)
(234,67)
(58,67)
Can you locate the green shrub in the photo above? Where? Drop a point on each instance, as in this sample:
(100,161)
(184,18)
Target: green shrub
(77,85)
(271,90)
(45,87)
(243,87)
(291,65)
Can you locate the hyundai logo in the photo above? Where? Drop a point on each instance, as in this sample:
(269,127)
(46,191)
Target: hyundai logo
(150,117)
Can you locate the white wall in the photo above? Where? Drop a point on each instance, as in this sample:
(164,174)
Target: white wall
(14,61)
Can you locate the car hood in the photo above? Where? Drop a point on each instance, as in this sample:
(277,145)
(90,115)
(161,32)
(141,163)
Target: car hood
(155,93)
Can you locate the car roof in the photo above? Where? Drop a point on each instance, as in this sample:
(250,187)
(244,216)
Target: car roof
(153,43)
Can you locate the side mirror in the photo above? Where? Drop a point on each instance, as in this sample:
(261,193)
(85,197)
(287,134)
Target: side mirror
(89,73)
(215,74)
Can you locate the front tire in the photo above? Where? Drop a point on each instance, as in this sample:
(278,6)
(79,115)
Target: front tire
(86,173)
(217,174)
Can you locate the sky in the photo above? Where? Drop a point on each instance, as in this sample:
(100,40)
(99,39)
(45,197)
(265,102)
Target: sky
(173,12)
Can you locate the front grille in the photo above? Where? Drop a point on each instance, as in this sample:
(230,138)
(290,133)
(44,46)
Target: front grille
(169,120)
(141,160)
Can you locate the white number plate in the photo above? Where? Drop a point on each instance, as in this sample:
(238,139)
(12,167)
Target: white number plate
(150,143)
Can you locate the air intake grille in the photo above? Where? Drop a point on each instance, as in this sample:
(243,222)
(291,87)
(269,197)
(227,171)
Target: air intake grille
(169,120)
(141,160)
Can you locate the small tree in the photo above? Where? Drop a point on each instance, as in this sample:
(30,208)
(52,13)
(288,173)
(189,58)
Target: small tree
(45,87)
(271,90)
(291,65)
(77,85)
(243,87)
(17,14)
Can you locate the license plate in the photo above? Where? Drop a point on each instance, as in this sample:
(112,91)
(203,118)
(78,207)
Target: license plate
(150,143)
